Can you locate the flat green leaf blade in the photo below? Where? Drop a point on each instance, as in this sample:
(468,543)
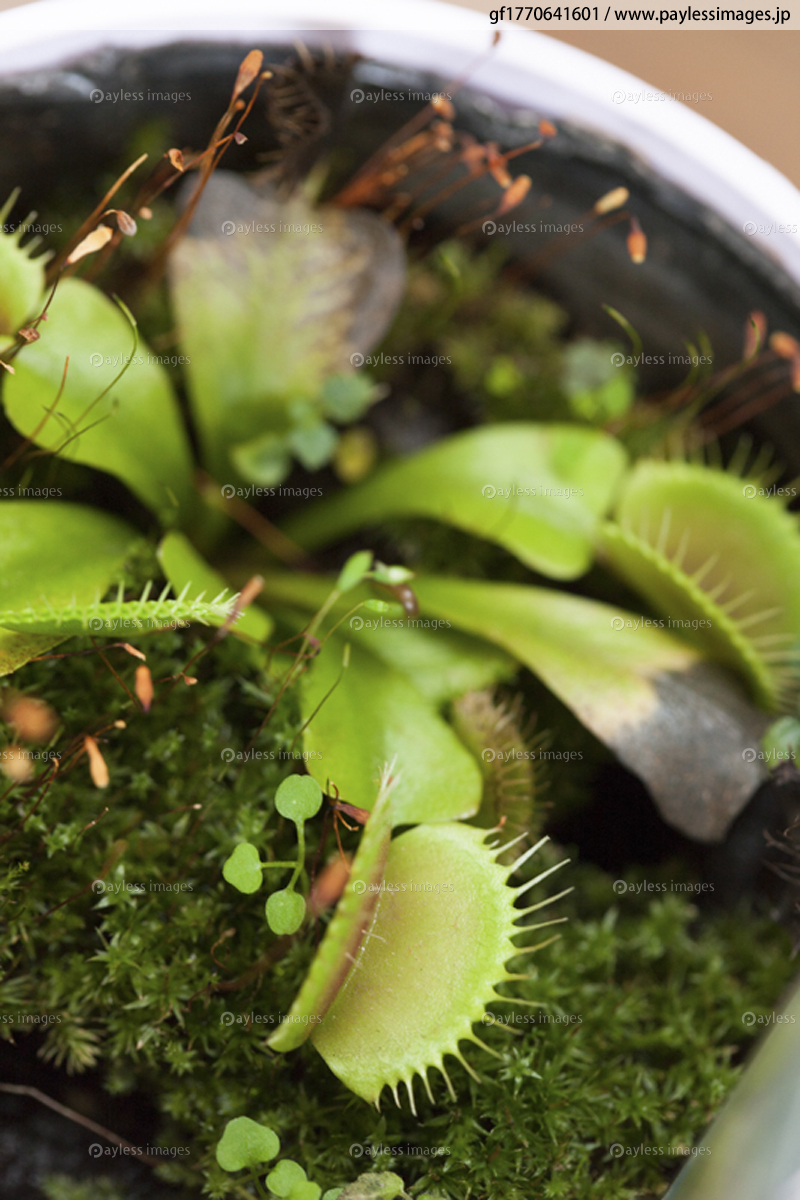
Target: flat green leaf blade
(117,618)
(185,568)
(52,552)
(134,432)
(537,490)
(18,648)
(442,662)
(677,722)
(375,715)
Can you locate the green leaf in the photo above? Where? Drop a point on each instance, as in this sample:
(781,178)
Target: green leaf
(354,570)
(116,618)
(374,716)
(264,460)
(306,1191)
(313,445)
(267,316)
(134,432)
(243,868)
(441,662)
(437,949)
(186,569)
(597,390)
(245,1143)
(720,561)
(680,724)
(781,742)
(537,490)
(285,911)
(298,798)
(287,1176)
(51,554)
(347,397)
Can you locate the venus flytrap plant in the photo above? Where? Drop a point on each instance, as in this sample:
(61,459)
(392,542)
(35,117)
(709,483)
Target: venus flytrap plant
(392,990)
(720,561)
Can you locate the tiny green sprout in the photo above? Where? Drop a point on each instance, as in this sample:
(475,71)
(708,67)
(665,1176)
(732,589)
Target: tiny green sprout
(354,571)
(391,576)
(298,798)
(286,1178)
(243,868)
(306,1191)
(333,1193)
(246,1144)
(285,911)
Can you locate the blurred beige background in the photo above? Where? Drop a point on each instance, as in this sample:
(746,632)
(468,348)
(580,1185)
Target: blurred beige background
(752,75)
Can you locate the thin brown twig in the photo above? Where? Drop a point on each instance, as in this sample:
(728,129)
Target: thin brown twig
(19,1089)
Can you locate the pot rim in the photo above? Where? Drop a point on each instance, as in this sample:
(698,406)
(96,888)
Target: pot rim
(527,69)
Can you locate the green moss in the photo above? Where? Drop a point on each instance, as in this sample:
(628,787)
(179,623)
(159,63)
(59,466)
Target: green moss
(659,991)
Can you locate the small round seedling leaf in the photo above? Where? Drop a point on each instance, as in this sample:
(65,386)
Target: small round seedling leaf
(333,1193)
(286,1178)
(306,1191)
(245,1143)
(285,911)
(354,571)
(243,868)
(299,797)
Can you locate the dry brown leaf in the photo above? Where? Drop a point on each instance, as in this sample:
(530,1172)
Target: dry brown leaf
(514,195)
(611,200)
(132,650)
(93,242)
(97,764)
(248,71)
(144,687)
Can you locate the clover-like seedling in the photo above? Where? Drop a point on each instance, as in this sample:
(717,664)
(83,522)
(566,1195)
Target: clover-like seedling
(285,911)
(290,1182)
(243,868)
(298,798)
(246,1145)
